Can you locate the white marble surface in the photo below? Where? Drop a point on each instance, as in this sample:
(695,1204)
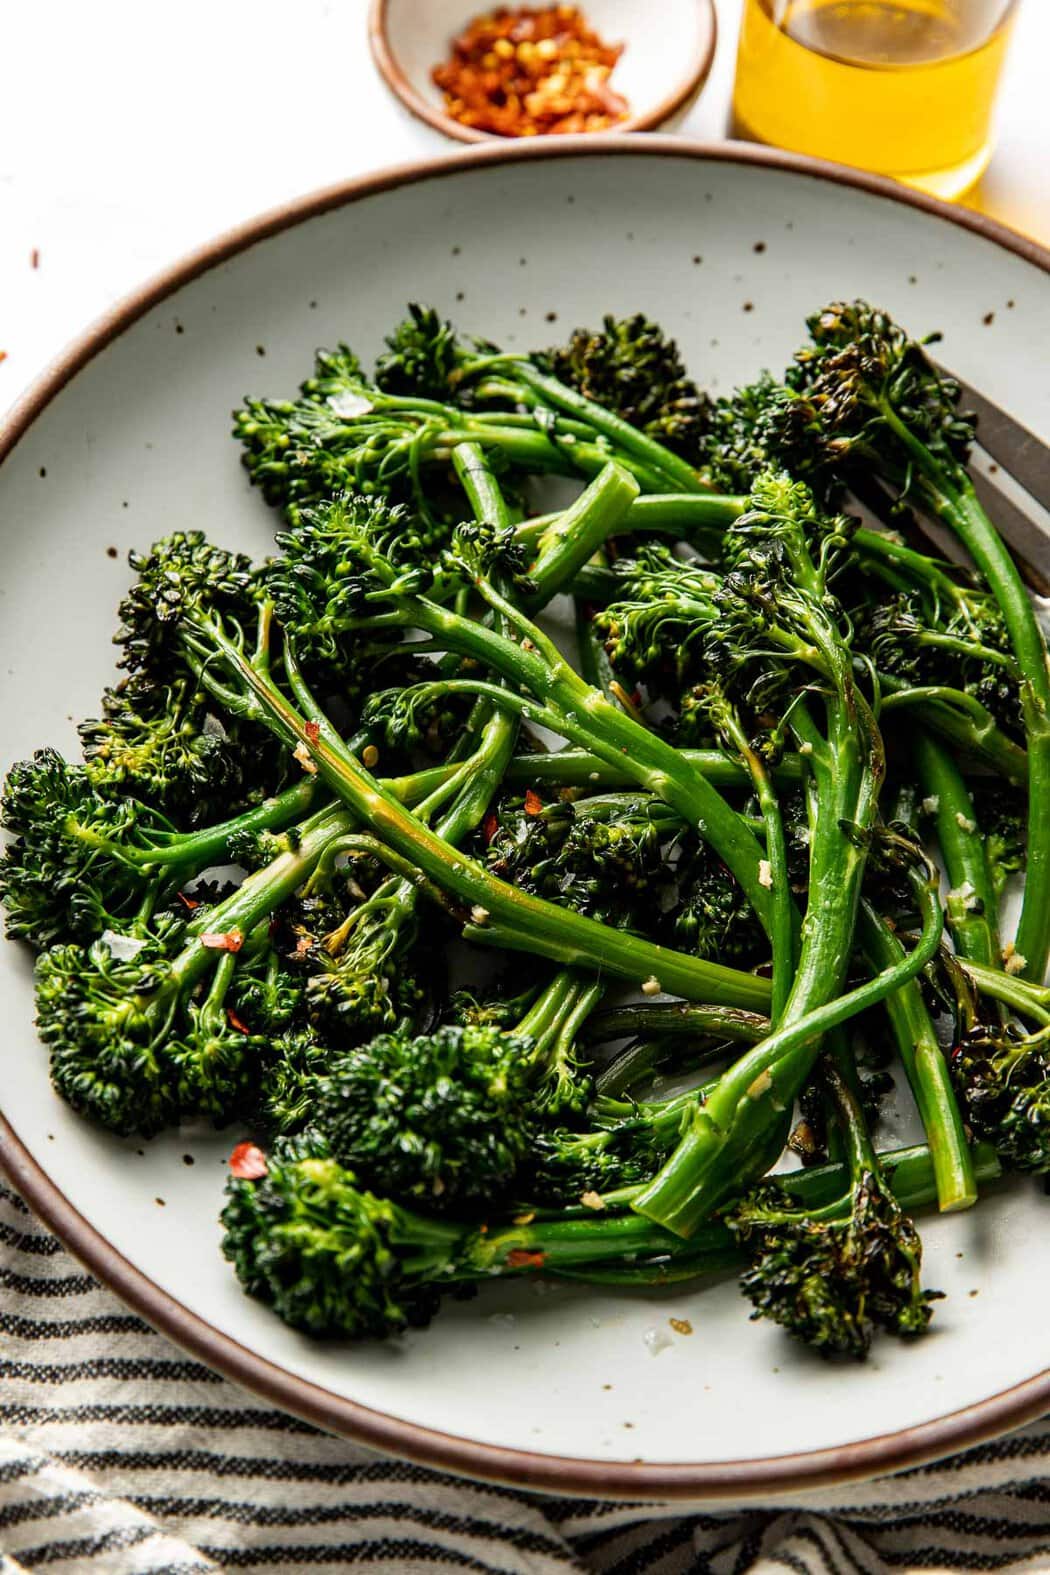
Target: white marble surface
(130,133)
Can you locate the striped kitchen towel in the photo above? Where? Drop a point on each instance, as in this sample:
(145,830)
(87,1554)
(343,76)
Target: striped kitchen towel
(120,1455)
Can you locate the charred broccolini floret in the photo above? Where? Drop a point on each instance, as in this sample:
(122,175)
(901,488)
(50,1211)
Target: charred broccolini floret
(630,366)
(81,861)
(613,869)
(1001,1069)
(158,736)
(447,1118)
(142,1026)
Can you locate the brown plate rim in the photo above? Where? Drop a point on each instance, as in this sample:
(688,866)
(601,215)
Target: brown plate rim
(401,86)
(727,1481)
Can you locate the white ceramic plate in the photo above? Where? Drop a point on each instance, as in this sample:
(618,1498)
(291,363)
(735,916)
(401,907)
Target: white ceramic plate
(126,439)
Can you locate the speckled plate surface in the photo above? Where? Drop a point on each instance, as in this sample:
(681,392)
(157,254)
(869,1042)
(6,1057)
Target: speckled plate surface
(127,438)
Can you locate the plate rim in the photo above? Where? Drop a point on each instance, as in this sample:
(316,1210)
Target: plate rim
(699,1481)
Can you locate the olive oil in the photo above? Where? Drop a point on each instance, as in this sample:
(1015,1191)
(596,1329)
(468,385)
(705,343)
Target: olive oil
(902,87)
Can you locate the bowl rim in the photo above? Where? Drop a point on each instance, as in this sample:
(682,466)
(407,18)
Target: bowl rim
(689,1482)
(690,85)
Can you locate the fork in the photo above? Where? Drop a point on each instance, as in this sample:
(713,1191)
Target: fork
(1003,447)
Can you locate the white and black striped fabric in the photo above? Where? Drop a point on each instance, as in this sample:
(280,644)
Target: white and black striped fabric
(120,1455)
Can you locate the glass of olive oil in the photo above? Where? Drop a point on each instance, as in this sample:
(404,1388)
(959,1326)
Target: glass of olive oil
(902,87)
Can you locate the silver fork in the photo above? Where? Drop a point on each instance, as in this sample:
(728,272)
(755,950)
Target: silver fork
(1017,453)
(1005,449)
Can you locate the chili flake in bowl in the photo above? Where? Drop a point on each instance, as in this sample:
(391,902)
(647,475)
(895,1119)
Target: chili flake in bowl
(542,70)
(532,72)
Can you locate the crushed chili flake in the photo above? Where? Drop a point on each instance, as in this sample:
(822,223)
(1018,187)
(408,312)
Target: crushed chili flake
(222,940)
(531,71)
(533,802)
(34,257)
(191,902)
(490,826)
(312,731)
(235,1022)
(519,1258)
(247,1162)
(3,355)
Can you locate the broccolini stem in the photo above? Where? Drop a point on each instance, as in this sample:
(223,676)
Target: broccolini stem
(785,918)
(677,1018)
(697,517)
(909,1173)
(961,719)
(585,717)
(678,472)
(949,492)
(577,534)
(258,895)
(729,1136)
(579,768)
(544,1016)
(478,481)
(925,1067)
(1025,996)
(534,451)
(972,908)
(538,926)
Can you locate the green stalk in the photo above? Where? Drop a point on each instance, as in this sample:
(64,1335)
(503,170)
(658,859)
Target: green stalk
(677,1018)
(925,1067)
(576,535)
(972,908)
(951,496)
(1023,995)
(909,1173)
(580,768)
(568,705)
(785,918)
(728,1143)
(679,473)
(697,517)
(538,926)
(186,854)
(258,895)
(962,720)
(535,452)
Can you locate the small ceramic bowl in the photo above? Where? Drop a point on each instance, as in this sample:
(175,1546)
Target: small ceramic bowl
(667,56)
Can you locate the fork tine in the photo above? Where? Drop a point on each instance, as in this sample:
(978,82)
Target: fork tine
(1028,544)
(1012,445)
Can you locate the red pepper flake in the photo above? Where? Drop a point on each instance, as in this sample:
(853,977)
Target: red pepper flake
(222,940)
(34,257)
(531,71)
(519,1258)
(312,731)
(533,802)
(490,826)
(235,1022)
(3,355)
(247,1162)
(191,902)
